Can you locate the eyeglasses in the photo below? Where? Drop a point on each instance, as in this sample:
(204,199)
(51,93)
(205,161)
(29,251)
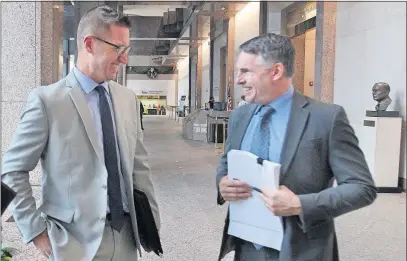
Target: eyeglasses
(121,50)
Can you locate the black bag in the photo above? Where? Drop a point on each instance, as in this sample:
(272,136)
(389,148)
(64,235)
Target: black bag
(147,230)
(7,195)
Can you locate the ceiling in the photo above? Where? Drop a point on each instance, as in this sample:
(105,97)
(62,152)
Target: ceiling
(161,30)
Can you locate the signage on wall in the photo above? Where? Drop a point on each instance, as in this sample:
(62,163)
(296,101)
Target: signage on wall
(306,25)
(151,97)
(152,73)
(152,92)
(150,70)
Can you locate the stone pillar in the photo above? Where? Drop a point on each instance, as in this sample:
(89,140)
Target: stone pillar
(231,64)
(325,51)
(51,21)
(31,44)
(199,78)
(31,41)
(193,72)
(176,79)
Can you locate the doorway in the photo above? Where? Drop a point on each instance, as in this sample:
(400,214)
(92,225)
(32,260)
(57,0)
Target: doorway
(304,62)
(299,23)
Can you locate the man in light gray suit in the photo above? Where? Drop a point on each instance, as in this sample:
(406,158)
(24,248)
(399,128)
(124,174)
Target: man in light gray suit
(85,129)
(314,144)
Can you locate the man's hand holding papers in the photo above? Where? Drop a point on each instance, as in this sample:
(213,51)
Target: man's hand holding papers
(232,190)
(282,202)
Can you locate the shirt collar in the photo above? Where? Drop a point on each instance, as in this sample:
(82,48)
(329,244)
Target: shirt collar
(280,101)
(86,83)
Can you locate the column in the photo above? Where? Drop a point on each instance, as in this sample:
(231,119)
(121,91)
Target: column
(31,44)
(325,51)
(230,67)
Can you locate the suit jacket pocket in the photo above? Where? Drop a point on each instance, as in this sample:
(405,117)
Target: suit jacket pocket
(312,143)
(63,214)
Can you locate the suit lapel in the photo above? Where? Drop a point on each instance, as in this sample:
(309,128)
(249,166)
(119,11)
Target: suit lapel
(295,129)
(78,97)
(241,125)
(120,127)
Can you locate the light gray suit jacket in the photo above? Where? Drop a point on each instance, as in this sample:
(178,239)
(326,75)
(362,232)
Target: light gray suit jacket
(320,146)
(57,129)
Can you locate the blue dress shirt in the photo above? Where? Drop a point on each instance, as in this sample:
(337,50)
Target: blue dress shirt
(277,124)
(92,99)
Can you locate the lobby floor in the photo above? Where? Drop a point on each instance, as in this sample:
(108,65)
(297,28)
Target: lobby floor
(184,177)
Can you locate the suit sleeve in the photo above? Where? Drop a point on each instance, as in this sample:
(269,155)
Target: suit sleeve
(22,157)
(356,188)
(222,170)
(142,173)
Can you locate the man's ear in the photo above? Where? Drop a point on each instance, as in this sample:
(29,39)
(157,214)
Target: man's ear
(278,71)
(88,44)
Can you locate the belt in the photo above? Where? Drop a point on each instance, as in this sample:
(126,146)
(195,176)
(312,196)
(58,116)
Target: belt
(109,216)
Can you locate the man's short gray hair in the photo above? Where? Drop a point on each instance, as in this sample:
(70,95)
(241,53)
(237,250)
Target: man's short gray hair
(99,19)
(272,48)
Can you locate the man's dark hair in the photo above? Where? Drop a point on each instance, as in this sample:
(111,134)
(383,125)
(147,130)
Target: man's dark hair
(99,19)
(272,48)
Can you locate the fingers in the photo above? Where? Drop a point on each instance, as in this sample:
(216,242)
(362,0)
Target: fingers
(235,193)
(43,244)
(267,192)
(234,196)
(271,204)
(48,249)
(234,190)
(47,252)
(284,188)
(233,183)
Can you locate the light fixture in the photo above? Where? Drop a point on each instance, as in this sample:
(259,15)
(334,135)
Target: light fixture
(222,8)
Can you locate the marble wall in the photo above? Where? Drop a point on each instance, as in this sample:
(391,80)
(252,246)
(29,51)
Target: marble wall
(299,62)
(371,47)
(31,40)
(30,45)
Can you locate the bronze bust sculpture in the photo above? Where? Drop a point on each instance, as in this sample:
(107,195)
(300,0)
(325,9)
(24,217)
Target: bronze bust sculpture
(380,92)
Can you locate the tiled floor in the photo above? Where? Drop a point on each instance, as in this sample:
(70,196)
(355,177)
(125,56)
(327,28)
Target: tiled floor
(184,174)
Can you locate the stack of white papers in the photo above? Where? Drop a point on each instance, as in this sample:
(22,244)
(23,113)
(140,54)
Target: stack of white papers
(250,219)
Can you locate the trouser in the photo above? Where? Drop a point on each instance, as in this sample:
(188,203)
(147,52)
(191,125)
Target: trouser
(246,251)
(117,246)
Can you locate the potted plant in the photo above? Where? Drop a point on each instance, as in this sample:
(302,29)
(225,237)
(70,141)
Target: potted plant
(5,253)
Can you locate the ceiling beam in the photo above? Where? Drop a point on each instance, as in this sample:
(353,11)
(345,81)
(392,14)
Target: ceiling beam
(195,11)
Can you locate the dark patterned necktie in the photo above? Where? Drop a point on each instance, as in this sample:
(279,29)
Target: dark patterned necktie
(109,147)
(261,140)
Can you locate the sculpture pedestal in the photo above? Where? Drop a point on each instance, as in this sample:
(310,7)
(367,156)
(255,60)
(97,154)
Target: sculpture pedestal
(380,142)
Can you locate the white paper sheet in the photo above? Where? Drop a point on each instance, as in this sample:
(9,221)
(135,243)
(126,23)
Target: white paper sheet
(250,220)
